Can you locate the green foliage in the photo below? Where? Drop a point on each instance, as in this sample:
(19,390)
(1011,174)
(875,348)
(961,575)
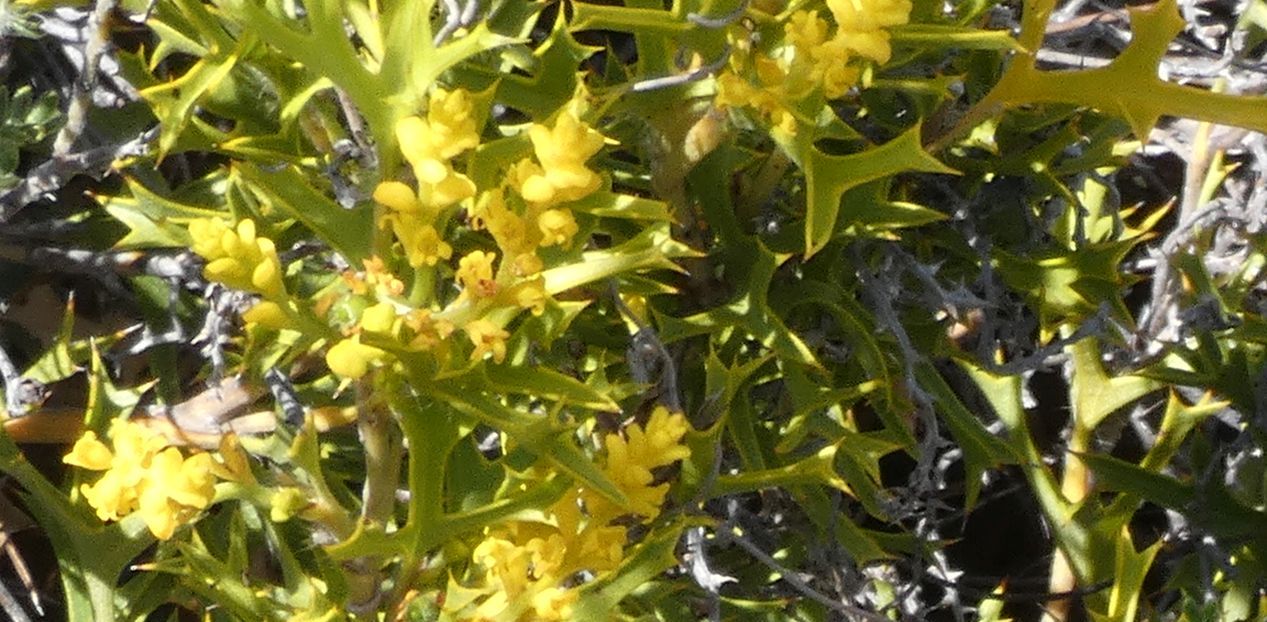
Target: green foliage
(534,305)
(26,120)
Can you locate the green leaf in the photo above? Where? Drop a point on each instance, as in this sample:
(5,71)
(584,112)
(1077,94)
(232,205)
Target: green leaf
(606,204)
(1128,86)
(1094,393)
(933,36)
(1212,507)
(545,383)
(553,76)
(288,189)
(827,177)
(62,359)
(651,249)
(981,450)
(144,232)
(1130,568)
(174,101)
(535,433)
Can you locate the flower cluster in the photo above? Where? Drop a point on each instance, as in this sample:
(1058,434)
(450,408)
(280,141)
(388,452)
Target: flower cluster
(812,57)
(559,175)
(238,257)
(631,459)
(526,564)
(415,330)
(144,474)
(429,145)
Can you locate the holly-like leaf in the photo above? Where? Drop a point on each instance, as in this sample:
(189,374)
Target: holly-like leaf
(827,177)
(288,189)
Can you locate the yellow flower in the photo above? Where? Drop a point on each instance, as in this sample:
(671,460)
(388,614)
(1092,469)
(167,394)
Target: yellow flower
(532,295)
(659,442)
(445,189)
(268,314)
(397,196)
(547,555)
(185,481)
(529,179)
(177,487)
(506,227)
(557,227)
(836,76)
(630,461)
(429,144)
(142,474)
(554,603)
(527,264)
(872,44)
(422,332)
(475,274)
(869,15)
(805,30)
(233,465)
(89,453)
(379,318)
(601,548)
(487,338)
(285,503)
(560,174)
(237,257)
(377,274)
(733,90)
(569,142)
(351,359)
(112,496)
(422,243)
(452,122)
(504,563)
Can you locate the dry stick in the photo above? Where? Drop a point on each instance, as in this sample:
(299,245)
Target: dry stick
(665,82)
(81,100)
(50,175)
(13,520)
(455,17)
(797,583)
(12,385)
(22,570)
(10,605)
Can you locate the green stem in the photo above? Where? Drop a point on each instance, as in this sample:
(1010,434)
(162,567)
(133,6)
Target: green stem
(382,458)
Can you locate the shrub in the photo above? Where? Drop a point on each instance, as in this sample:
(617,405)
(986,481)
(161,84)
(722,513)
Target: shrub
(544,311)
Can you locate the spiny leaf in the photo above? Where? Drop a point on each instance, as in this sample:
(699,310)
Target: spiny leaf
(287,189)
(828,177)
(1095,394)
(545,383)
(651,249)
(1128,86)
(174,101)
(981,450)
(1130,568)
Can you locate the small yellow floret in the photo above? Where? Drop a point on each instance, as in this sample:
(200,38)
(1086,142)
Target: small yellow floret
(379,318)
(351,359)
(869,15)
(557,227)
(144,475)
(475,274)
(237,257)
(560,174)
(488,338)
(268,314)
